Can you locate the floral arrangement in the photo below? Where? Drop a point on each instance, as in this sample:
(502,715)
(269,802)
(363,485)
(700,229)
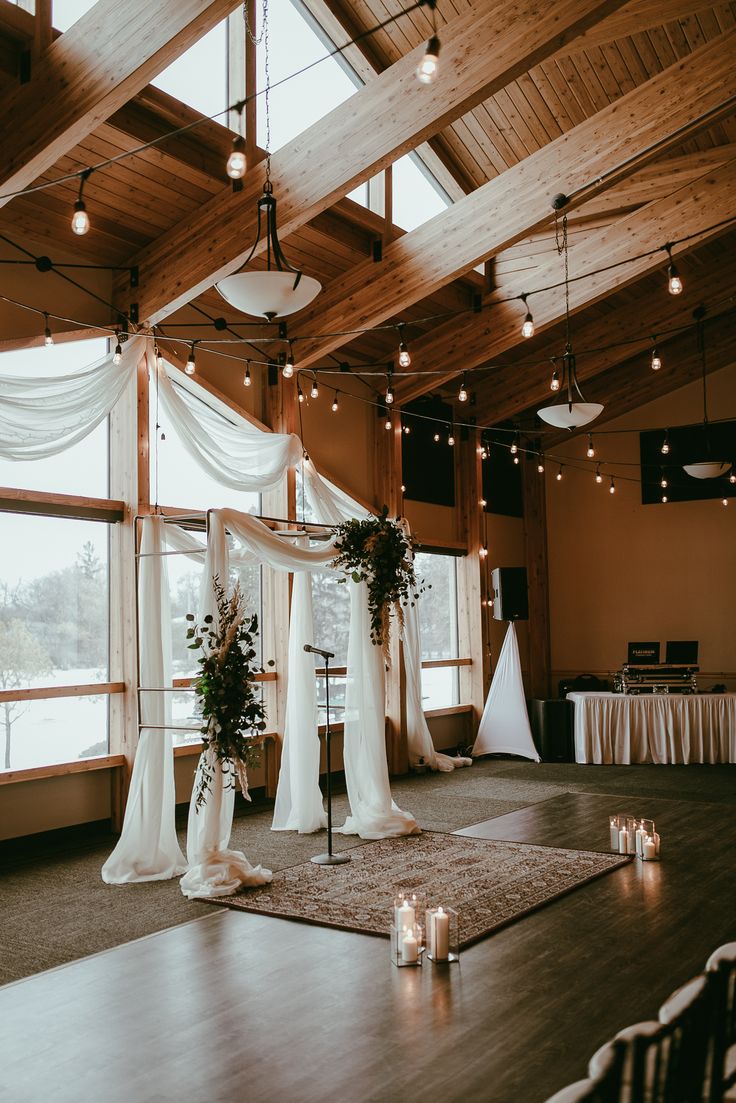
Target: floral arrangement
(378,551)
(232,712)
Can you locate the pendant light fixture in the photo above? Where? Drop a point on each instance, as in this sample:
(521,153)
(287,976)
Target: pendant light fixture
(575,411)
(279,289)
(710,466)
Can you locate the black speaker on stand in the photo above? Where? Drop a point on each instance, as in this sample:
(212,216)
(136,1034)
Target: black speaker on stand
(510,600)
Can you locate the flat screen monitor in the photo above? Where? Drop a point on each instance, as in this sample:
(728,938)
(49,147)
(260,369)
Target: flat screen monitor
(643,653)
(682,652)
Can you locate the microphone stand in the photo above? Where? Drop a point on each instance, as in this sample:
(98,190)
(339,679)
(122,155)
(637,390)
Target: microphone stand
(328,859)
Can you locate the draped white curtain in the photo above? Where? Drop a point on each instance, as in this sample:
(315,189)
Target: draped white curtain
(215,869)
(42,416)
(148,849)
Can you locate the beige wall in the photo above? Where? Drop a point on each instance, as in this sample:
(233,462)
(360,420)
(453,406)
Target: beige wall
(621,571)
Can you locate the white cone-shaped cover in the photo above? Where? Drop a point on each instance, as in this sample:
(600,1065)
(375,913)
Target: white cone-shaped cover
(504,726)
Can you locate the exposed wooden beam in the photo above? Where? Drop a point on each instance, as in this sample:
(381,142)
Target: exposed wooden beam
(636,17)
(483,49)
(697,207)
(87,74)
(602,150)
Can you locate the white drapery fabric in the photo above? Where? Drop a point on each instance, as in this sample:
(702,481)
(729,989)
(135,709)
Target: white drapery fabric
(661,728)
(148,849)
(504,726)
(241,455)
(215,869)
(42,416)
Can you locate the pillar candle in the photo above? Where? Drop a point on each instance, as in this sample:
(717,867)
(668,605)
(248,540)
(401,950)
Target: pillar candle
(440,935)
(405,916)
(409,948)
(623,841)
(614,833)
(655,839)
(649,850)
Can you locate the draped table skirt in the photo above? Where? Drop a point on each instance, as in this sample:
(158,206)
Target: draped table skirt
(661,728)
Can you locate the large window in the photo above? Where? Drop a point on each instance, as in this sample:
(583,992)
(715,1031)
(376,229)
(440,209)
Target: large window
(54,606)
(439,629)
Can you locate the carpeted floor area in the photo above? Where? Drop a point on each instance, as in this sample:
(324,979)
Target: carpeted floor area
(54,906)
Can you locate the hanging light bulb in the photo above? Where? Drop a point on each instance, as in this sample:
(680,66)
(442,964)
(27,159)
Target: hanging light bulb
(407,430)
(429,65)
(612,487)
(732,477)
(598,476)
(665,499)
(656,358)
(299,393)
(48,339)
(483,551)
(190,364)
(483,503)
(246,378)
(483,452)
(665,449)
(527,327)
(463,394)
(590,450)
(674,283)
(516,459)
(436,438)
(158,357)
(540,463)
(335,404)
(387,424)
(389,390)
(725,501)
(555,381)
(288,369)
(403,488)
(451,437)
(514,445)
(558,476)
(236,163)
(80,218)
(117,355)
(663,481)
(404,354)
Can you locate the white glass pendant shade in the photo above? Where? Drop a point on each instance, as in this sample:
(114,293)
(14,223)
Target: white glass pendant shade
(268,294)
(709,470)
(566,415)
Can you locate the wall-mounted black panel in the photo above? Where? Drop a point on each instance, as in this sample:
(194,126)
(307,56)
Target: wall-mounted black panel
(428,464)
(502,478)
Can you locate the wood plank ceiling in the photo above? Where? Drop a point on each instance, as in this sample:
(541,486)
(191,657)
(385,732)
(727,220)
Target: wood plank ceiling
(138,201)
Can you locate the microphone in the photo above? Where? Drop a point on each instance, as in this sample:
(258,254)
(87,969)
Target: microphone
(319,651)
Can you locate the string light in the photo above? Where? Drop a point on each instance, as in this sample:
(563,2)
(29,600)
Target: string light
(514,445)
(158,357)
(665,449)
(732,477)
(612,487)
(450,437)
(555,381)
(388,424)
(663,481)
(483,551)
(436,438)
(288,369)
(299,393)
(540,463)
(389,390)
(407,430)
(674,283)
(598,476)
(665,499)
(463,394)
(80,218)
(656,358)
(404,354)
(335,404)
(527,328)
(590,453)
(117,356)
(725,501)
(516,459)
(236,163)
(314,393)
(483,503)
(403,488)
(48,339)
(429,65)
(190,366)
(246,378)
(558,476)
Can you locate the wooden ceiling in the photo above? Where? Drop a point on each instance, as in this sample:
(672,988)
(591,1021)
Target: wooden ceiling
(628,108)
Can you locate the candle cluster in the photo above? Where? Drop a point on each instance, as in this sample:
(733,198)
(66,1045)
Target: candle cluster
(410,941)
(630,835)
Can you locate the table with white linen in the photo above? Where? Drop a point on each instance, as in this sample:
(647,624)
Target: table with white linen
(673,727)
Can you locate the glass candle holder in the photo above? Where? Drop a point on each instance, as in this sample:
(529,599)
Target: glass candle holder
(623,828)
(647,841)
(407,945)
(443,935)
(408,909)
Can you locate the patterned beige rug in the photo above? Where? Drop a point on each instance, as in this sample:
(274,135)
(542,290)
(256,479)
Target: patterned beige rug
(489,884)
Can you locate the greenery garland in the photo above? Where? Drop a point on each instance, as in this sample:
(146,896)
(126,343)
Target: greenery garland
(378,551)
(227,694)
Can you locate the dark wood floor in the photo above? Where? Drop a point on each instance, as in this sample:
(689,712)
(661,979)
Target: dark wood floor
(239,1006)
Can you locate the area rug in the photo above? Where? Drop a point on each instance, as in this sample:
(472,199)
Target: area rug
(490,884)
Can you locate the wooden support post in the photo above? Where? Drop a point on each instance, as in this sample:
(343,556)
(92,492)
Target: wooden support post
(472,626)
(535,536)
(251,87)
(388,205)
(388,476)
(42,27)
(236,69)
